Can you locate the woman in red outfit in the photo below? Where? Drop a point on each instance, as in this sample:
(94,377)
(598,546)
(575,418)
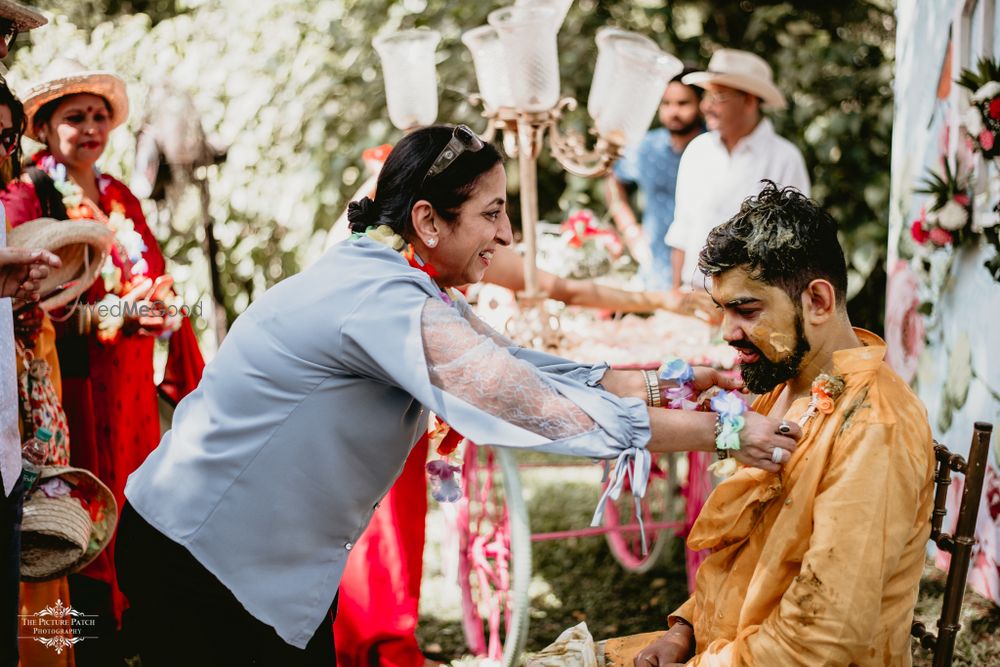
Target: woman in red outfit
(105,348)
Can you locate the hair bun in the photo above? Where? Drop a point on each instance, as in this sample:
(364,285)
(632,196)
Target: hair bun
(361,214)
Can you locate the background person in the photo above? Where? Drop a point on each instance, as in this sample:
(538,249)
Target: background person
(109,393)
(724,166)
(14,18)
(653,167)
(33,331)
(240,522)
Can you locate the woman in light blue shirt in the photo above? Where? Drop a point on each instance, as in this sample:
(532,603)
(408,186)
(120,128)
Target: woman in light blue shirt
(240,522)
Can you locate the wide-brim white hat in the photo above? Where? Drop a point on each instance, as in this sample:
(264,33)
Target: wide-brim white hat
(743,71)
(68,77)
(23,18)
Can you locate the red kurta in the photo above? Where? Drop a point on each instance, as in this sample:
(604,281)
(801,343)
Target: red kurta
(109,396)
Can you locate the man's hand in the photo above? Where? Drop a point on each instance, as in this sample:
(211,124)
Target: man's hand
(674,647)
(761,435)
(22,271)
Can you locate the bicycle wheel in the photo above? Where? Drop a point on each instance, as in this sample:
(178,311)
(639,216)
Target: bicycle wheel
(494,555)
(662,512)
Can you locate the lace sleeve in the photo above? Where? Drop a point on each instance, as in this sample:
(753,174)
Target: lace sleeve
(481,327)
(475,368)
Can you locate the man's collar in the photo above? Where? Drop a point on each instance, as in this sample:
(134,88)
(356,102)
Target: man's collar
(761,133)
(868,357)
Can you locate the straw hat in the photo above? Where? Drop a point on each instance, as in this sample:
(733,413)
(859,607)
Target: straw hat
(68,77)
(23,18)
(58,536)
(81,244)
(741,70)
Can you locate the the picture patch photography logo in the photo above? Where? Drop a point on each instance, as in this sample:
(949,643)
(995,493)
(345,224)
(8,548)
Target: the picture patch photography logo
(57,626)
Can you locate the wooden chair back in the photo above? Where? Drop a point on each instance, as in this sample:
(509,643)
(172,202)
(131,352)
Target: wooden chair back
(958,545)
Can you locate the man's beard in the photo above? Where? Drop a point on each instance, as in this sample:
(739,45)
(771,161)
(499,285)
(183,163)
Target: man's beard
(763,375)
(687,129)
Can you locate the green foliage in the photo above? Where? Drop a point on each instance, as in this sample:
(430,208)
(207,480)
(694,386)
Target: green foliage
(294,89)
(986,70)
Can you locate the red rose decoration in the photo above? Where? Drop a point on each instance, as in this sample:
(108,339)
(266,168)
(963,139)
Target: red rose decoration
(939,236)
(986,140)
(994,108)
(377,154)
(918,233)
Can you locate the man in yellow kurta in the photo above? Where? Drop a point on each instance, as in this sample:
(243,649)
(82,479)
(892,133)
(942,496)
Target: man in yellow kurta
(818,564)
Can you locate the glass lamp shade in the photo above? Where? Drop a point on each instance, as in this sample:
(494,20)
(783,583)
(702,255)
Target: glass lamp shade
(561,8)
(633,93)
(608,39)
(528,36)
(491,73)
(410,76)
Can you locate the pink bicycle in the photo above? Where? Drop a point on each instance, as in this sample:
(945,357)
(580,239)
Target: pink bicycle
(495,543)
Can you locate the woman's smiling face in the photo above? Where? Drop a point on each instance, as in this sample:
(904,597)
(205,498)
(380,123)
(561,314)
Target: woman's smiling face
(466,245)
(78,130)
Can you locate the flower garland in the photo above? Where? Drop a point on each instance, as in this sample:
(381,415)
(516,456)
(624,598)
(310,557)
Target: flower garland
(125,269)
(444,484)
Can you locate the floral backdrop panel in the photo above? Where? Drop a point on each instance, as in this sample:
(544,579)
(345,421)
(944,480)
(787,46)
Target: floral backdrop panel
(943,304)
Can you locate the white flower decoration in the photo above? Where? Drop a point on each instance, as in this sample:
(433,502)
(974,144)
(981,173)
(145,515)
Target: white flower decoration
(988,91)
(973,121)
(952,216)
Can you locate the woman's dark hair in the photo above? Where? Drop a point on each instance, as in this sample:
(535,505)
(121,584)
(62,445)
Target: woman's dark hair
(12,169)
(47,110)
(401,183)
(782,238)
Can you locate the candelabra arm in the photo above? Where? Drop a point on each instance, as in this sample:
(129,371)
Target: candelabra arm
(571,152)
(476,100)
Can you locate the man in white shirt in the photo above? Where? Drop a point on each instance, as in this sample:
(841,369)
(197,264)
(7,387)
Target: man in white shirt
(723,167)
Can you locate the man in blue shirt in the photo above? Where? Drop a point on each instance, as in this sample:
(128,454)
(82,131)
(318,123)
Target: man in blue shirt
(652,165)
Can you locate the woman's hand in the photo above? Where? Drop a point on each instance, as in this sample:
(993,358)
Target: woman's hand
(685,302)
(22,271)
(149,318)
(706,377)
(674,647)
(759,438)
(27,322)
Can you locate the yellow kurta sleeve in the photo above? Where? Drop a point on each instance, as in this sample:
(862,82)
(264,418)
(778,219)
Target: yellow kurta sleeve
(685,611)
(864,515)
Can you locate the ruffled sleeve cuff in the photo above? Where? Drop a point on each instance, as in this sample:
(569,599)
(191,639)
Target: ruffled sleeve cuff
(596,373)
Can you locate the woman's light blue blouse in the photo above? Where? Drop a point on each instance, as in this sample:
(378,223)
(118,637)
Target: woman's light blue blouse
(304,419)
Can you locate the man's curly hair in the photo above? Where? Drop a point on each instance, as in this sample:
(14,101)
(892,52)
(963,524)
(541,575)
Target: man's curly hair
(782,238)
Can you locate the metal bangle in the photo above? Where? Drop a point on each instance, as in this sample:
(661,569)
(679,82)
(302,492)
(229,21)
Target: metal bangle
(652,389)
(722,454)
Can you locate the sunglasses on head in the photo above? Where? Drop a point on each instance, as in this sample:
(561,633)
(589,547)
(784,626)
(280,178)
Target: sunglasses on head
(8,32)
(8,141)
(462,139)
